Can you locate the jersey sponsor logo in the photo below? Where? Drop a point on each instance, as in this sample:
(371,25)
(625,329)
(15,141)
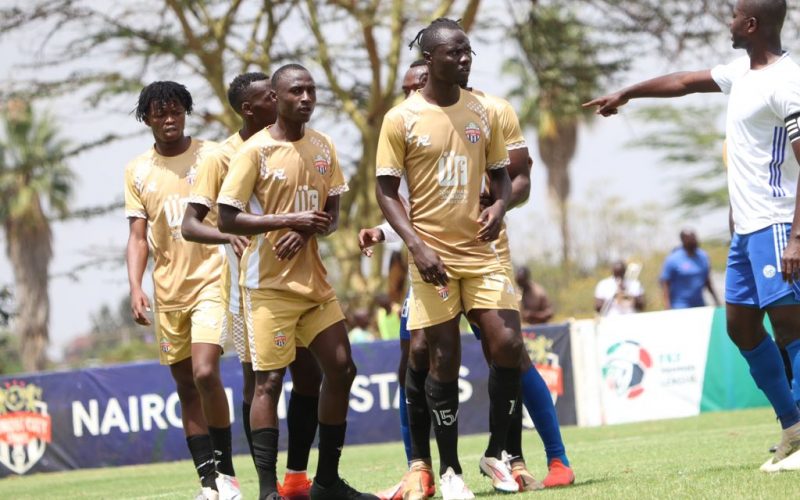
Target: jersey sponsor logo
(191,175)
(424,141)
(25,426)
(306,198)
(280,339)
(769,271)
(321,164)
(452,170)
(473,132)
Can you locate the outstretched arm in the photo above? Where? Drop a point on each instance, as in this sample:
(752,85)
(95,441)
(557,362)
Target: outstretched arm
(671,85)
(431,267)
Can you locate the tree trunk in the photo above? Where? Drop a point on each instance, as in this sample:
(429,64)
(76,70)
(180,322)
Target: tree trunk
(29,249)
(557,142)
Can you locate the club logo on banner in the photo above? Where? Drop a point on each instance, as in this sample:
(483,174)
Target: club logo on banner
(625,368)
(25,426)
(547,362)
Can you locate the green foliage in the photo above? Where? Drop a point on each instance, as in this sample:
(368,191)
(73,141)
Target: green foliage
(32,163)
(689,137)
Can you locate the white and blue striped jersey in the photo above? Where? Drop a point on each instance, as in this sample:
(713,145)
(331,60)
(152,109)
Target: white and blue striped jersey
(763,108)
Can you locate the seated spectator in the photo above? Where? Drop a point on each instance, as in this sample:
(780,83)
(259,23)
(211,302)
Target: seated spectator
(388,317)
(686,273)
(534,307)
(360,332)
(620,293)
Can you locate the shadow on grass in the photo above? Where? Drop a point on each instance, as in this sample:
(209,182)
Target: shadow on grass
(578,485)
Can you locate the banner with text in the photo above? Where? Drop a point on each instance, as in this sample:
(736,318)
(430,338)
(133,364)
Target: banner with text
(130,414)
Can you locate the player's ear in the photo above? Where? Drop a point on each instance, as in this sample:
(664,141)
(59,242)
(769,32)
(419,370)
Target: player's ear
(273,96)
(247,109)
(427,57)
(423,79)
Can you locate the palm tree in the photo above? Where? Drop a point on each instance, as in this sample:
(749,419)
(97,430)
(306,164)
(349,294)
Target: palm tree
(559,70)
(34,181)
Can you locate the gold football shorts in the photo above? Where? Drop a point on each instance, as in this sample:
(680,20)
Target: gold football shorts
(201,323)
(278,323)
(431,305)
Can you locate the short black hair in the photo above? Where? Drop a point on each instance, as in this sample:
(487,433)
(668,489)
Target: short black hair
(237,90)
(162,92)
(429,37)
(418,63)
(770,12)
(276,77)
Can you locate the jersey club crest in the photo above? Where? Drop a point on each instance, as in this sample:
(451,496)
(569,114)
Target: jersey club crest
(473,132)
(25,426)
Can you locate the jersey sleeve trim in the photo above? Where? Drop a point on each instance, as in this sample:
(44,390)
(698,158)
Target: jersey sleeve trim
(135,214)
(201,200)
(227,200)
(517,145)
(337,190)
(389,171)
(793,126)
(499,164)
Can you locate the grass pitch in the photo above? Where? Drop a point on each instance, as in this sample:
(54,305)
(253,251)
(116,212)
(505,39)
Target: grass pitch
(716,455)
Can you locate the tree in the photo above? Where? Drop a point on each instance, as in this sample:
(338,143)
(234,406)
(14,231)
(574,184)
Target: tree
(357,45)
(562,67)
(34,181)
(689,137)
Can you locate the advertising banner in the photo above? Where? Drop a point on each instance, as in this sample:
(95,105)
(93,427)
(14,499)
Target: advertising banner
(652,365)
(550,350)
(130,414)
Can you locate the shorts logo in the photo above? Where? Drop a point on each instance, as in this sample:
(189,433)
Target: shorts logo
(321,164)
(473,132)
(280,339)
(443,292)
(165,345)
(25,426)
(769,271)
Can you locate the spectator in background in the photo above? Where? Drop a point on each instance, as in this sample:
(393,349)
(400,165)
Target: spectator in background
(360,332)
(534,306)
(387,317)
(620,293)
(686,272)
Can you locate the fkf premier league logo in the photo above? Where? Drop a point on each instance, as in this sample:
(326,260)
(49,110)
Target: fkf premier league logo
(25,426)
(625,368)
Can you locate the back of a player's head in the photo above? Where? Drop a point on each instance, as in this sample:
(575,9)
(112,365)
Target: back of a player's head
(162,93)
(435,34)
(770,13)
(238,91)
(418,63)
(284,71)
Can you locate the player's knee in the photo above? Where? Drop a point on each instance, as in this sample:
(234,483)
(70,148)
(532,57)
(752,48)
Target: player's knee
(418,357)
(343,376)
(206,376)
(506,351)
(269,386)
(445,364)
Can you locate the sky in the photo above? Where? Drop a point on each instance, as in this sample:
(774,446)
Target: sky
(603,167)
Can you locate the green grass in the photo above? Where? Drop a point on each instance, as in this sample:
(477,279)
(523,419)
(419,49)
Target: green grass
(715,455)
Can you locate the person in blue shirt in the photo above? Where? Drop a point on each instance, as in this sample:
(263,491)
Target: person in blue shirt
(686,273)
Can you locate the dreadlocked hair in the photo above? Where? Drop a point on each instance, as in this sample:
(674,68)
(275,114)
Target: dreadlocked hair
(427,38)
(162,93)
(237,91)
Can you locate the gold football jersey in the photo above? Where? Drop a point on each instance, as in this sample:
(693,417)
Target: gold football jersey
(513,139)
(274,177)
(210,174)
(444,153)
(157,189)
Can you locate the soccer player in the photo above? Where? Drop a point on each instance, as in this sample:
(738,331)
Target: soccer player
(249,96)
(415,77)
(187,297)
(764,259)
(536,395)
(443,140)
(289,177)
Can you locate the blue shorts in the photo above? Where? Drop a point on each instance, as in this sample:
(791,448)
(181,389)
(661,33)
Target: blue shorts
(753,277)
